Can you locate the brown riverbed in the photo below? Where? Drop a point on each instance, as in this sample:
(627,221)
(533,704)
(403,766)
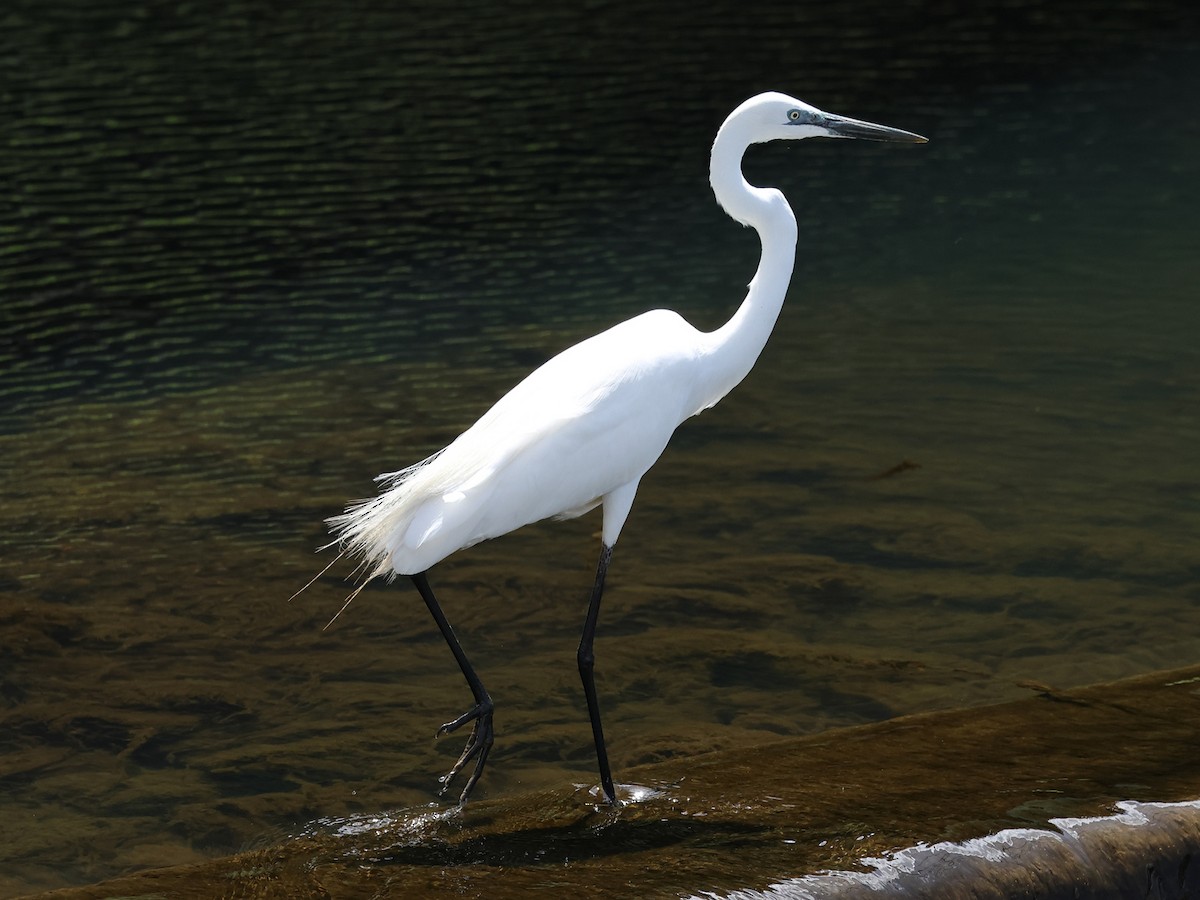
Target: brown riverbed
(757,816)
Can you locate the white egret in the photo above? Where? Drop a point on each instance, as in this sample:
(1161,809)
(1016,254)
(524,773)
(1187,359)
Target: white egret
(583,429)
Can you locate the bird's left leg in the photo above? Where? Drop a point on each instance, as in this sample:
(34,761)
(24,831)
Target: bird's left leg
(587,664)
(479,744)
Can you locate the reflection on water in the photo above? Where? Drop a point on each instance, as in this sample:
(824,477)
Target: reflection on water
(238,283)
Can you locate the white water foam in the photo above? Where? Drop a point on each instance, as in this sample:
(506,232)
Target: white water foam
(1147,850)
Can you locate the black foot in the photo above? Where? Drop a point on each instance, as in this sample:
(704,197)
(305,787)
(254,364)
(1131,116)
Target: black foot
(479,745)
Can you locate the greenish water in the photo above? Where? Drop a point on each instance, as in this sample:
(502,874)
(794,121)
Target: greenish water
(251,257)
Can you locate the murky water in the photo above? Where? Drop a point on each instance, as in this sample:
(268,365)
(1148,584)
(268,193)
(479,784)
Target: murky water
(252,260)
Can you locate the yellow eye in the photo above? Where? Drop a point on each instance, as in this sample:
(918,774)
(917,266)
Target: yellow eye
(794,115)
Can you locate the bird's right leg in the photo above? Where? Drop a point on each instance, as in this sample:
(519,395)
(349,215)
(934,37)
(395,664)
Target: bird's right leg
(479,744)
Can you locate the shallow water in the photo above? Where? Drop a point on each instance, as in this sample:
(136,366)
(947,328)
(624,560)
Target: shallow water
(251,261)
(1002,804)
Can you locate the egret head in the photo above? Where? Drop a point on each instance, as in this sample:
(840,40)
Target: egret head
(774,116)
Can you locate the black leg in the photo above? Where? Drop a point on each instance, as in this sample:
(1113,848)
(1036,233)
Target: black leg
(479,744)
(587,663)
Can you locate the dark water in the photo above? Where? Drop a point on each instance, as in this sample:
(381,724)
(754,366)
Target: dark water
(253,255)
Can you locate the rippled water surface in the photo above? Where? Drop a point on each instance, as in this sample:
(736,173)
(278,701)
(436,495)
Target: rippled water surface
(253,257)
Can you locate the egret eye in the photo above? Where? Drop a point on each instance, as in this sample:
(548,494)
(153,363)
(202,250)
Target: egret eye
(794,115)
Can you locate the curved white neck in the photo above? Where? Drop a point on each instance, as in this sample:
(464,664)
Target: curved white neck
(731,351)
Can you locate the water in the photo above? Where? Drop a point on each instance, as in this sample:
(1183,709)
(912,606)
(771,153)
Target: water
(1024,861)
(251,260)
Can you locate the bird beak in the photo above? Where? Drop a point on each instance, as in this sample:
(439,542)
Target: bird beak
(842,127)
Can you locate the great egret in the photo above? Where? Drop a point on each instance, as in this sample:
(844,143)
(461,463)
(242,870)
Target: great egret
(583,429)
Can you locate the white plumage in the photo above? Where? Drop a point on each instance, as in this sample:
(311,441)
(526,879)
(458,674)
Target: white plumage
(584,428)
(574,432)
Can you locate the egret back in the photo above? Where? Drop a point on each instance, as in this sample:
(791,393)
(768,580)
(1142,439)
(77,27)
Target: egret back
(589,421)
